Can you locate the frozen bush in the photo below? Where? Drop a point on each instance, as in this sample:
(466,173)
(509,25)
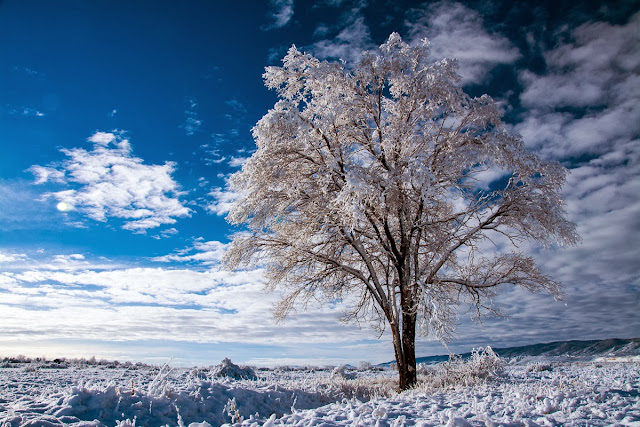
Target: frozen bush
(539,367)
(483,364)
(365,366)
(54,365)
(424,368)
(228,369)
(340,371)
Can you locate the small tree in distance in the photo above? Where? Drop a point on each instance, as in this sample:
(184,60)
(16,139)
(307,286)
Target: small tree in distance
(386,185)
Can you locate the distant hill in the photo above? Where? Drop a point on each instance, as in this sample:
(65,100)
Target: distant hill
(612,347)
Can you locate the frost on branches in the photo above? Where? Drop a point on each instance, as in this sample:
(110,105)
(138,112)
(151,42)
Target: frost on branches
(386,184)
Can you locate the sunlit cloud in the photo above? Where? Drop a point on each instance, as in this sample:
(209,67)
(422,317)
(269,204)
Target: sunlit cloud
(109,182)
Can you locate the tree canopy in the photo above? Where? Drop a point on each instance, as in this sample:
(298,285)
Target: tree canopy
(383,181)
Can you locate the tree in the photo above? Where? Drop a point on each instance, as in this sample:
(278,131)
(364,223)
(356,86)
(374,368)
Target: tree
(386,185)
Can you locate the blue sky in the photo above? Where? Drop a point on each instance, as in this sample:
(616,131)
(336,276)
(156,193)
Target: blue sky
(121,121)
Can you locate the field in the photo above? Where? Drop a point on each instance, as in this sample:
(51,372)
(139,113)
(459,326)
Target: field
(485,391)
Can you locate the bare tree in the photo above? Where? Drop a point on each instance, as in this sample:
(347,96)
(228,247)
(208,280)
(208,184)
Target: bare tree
(387,185)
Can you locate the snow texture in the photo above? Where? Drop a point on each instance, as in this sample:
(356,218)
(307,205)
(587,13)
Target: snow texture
(531,392)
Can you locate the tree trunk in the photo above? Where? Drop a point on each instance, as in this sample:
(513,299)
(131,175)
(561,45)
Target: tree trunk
(404,345)
(400,362)
(409,375)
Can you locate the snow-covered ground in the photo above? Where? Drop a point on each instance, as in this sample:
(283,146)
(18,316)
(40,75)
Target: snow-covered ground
(522,393)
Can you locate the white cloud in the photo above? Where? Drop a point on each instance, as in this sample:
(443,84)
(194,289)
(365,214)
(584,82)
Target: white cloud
(585,112)
(192,123)
(21,208)
(456,31)
(141,303)
(25,111)
(204,252)
(348,44)
(44,174)
(12,257)
(223,200)
(281,13)
(597,76)
(600,67)
(237,162)
(109,181)
(102,138)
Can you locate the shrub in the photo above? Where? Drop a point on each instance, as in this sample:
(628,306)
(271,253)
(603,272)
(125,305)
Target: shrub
(539,367)
(341,371)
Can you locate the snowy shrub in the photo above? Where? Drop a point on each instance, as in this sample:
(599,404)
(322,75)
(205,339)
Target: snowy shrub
(53,365)
(483,364)
(228,369)
(424,369)
(365,366)
(341,371)
(539,367)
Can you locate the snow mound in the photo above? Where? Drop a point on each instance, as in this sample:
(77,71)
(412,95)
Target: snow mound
(228,369)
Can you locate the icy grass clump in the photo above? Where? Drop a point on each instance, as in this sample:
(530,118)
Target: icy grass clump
(160,384)
(228,369)
(483,365)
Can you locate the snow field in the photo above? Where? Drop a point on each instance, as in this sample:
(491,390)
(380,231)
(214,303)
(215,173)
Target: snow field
(520,394)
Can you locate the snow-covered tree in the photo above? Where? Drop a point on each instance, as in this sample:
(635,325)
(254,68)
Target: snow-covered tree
(385,184)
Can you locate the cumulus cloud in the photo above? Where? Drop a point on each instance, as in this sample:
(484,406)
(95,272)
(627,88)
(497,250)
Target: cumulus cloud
(109,182)
(102,138)
(456,31)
